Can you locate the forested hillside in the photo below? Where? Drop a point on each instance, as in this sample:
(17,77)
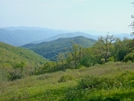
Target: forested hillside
(50,50)
(14,58)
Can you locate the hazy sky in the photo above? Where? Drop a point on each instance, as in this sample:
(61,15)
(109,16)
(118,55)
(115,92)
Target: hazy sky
(102,15)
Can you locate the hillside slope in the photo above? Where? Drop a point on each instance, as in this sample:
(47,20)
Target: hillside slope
(11,56)
(51,49)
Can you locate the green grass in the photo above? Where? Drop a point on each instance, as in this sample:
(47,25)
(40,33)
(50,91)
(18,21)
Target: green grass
(47,87)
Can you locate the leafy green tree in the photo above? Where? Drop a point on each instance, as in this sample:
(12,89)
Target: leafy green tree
(46,68)
(87,58)
(16,72)
(61,59)
(129,57)
(130,45)
(76,54)
(121,49)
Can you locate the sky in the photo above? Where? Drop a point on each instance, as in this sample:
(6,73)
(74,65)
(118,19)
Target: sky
(98,15)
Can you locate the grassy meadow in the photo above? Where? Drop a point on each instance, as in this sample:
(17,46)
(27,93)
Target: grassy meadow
(108,82)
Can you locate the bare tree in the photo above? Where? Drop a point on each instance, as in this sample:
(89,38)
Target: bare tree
(132,24)
(105,44)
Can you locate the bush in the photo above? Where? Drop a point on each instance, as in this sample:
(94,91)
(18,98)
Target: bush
(89,82)
(13,75)
(106,83)
(129,57)
(66,78)
(106,99)
(111,59)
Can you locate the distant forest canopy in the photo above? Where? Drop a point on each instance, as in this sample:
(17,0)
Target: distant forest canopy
(50,50)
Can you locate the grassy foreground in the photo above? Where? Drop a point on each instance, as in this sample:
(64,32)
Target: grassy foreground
(108,82)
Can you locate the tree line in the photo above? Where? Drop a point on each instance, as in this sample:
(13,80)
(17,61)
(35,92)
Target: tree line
(106,49)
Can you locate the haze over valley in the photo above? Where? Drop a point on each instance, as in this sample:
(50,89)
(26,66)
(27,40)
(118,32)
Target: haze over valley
(18,36)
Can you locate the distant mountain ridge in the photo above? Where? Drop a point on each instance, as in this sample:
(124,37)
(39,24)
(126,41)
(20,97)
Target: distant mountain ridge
(18,36)
(67,35)
(51,49)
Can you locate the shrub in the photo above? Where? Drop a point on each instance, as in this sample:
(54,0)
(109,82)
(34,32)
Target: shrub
(111,58)
(106,99)
(129,57)
(13,75)
(65,78)
(89,82)
(92,82)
